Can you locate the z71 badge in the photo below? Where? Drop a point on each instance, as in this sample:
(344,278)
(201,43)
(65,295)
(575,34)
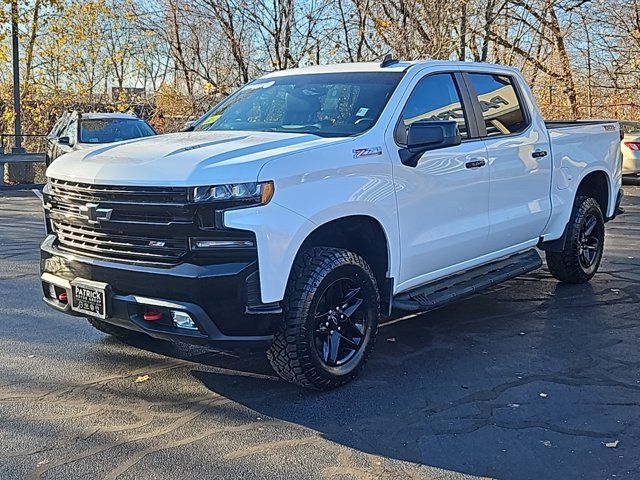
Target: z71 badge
(367,152)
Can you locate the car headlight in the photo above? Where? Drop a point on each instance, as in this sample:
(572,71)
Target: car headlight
(253,193)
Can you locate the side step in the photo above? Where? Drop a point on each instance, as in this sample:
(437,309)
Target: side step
(436,294)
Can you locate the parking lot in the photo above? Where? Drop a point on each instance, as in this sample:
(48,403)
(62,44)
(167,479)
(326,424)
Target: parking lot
(533,379)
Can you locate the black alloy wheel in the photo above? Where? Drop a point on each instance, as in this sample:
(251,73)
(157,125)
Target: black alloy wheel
(341,322)
(331,314)
(580,258)
(589,242)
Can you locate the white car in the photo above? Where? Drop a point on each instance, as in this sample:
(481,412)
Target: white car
(630,148)
(311,202)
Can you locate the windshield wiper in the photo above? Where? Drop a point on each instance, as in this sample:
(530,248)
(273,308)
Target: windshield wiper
(300,132)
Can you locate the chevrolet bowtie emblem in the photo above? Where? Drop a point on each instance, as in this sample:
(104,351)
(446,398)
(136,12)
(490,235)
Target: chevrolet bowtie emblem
(94,214)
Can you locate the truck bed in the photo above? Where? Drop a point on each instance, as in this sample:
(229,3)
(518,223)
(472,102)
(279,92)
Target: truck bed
(577,148)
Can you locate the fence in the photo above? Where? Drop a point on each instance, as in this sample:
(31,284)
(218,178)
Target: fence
(22,167)
(31,143)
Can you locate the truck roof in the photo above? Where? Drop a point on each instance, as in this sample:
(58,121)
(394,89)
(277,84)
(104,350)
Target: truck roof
(399,66)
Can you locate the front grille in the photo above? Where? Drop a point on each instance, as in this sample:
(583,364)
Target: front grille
(84,192)
(98,242)
(142,224)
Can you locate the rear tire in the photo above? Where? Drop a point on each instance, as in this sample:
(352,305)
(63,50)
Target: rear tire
(584,244)
(331,314)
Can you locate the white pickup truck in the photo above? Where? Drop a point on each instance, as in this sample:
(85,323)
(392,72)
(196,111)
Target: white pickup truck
(306,206)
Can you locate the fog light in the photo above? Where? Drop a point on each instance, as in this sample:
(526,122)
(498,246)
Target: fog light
(223,244)
(182,320)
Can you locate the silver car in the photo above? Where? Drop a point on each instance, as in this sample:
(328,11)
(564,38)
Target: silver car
(630,148)
(75,130)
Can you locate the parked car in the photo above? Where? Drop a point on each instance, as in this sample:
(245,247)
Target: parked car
(312,201)
(75,130)
(630,148)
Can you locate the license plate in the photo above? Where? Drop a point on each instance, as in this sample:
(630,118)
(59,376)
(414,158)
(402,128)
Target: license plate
(89,298)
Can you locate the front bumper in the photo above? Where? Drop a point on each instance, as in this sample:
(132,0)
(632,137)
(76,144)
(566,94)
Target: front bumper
(222,299)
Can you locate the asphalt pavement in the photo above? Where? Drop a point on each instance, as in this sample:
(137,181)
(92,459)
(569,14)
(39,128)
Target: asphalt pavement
(532,379)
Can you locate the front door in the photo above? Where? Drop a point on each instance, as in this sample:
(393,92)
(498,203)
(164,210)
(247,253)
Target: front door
(443,201)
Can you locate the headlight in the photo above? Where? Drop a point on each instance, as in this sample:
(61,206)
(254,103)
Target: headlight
(254,193)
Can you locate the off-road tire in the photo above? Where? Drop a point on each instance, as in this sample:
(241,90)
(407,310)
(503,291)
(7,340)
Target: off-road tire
(566,265)
(293,355)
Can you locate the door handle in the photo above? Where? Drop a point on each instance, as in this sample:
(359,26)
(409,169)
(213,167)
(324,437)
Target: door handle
(475,164)
(539,153)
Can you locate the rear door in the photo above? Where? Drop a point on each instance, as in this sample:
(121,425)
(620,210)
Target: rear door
(519,160)
(443,200)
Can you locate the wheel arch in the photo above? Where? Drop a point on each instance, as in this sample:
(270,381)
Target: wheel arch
(596,184)
(363,235)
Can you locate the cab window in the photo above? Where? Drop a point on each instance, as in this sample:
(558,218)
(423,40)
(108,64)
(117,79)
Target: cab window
(435,97)
(501,109)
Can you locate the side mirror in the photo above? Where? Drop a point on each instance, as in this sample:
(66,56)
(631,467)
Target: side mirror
(64,141)
(189,125)
(427,135)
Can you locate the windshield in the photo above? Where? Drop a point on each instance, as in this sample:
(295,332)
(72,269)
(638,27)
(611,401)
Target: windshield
(630,127)
(107,130)
(327,104)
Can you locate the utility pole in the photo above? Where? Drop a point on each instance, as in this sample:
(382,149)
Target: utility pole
(17,130)
(589,93)
(463,32)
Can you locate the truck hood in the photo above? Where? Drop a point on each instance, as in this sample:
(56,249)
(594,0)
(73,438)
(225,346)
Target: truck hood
(182,159)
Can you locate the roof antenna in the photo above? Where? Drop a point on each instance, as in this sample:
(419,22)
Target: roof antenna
(388,60)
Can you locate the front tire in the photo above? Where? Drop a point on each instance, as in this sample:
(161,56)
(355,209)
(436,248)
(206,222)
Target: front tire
(331,314)
(584,244)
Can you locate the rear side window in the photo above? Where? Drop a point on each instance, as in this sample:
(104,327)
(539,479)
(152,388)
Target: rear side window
(436,97)
(501,109)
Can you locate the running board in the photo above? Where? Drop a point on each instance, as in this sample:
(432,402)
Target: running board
(441,292)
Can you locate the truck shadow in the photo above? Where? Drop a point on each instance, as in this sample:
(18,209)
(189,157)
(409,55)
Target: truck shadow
(483,387)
